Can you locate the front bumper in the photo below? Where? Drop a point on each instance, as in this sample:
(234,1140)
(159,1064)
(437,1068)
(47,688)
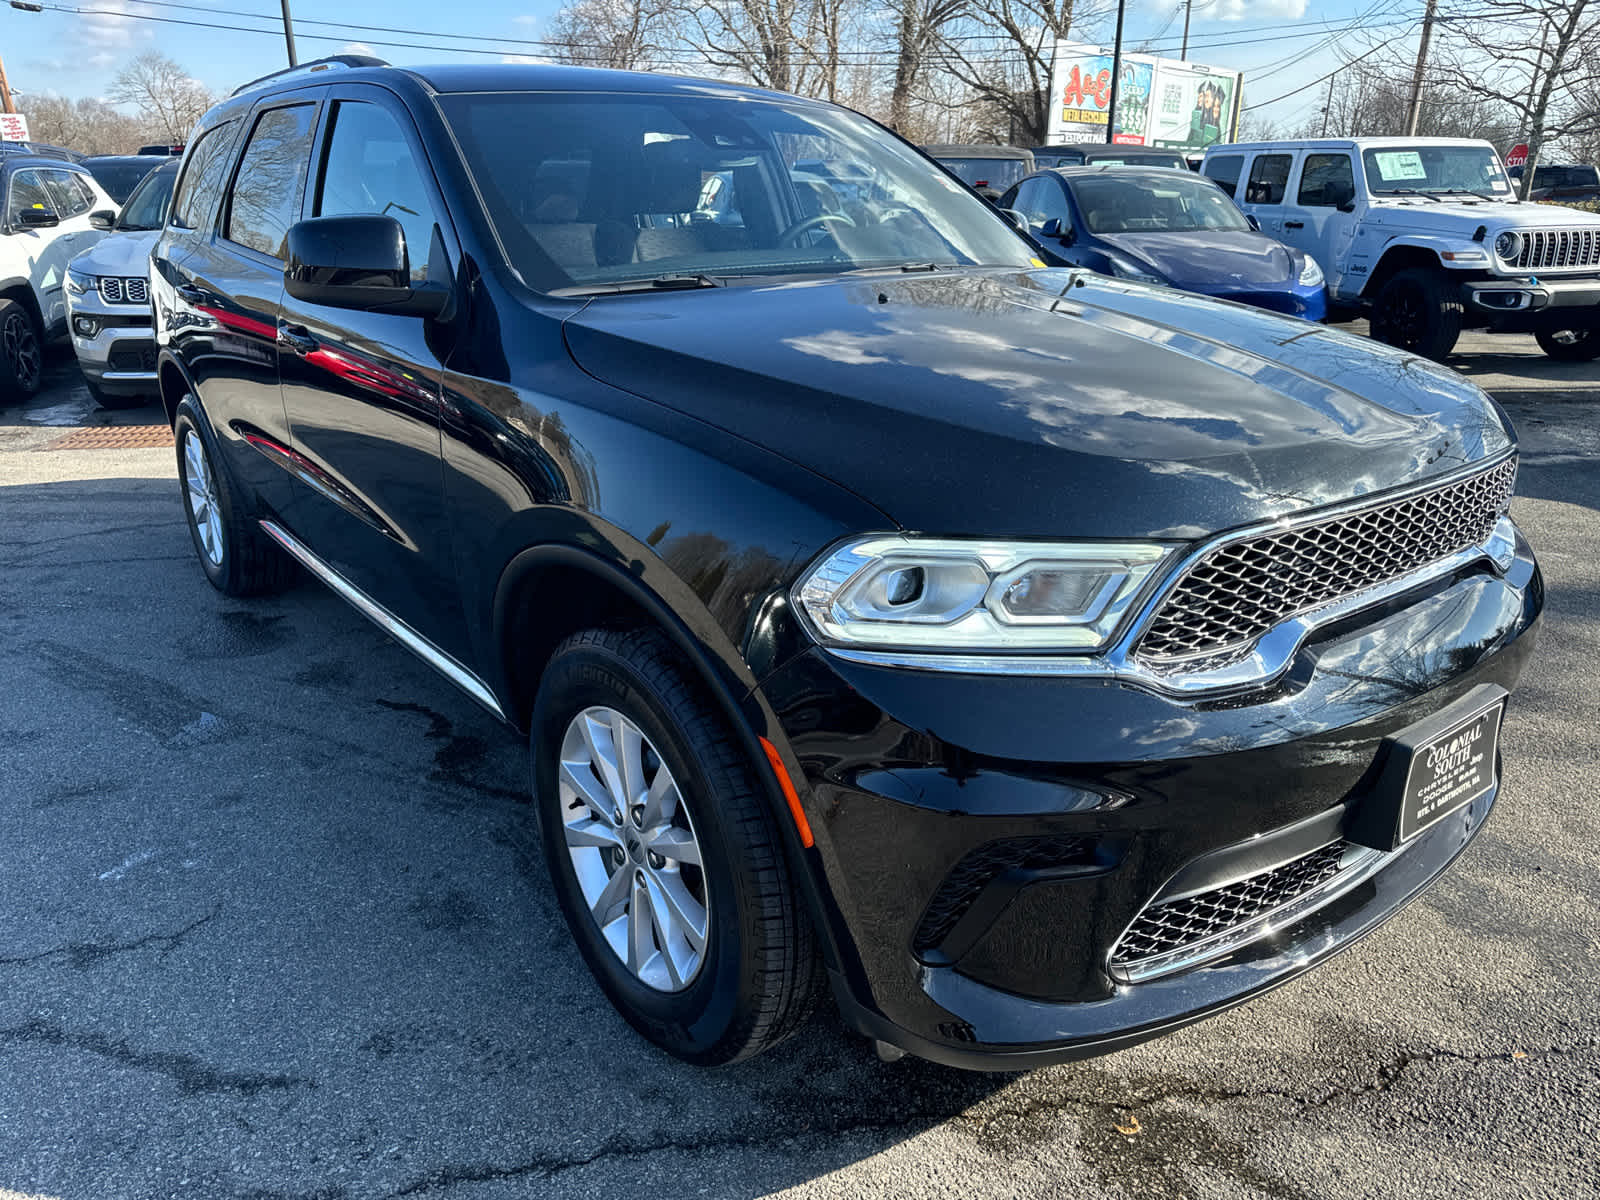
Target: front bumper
(1535,298)
(1309,303)
(119,356)
(1112,790)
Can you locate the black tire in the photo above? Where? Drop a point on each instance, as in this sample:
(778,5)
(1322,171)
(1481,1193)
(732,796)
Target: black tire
(760,972)
(21,352)
(1420,311)
(1570,345)
(246,561)
(106,400)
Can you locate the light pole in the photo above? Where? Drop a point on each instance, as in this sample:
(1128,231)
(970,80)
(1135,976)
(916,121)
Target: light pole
(1116,75)
(6,102)
(288,35)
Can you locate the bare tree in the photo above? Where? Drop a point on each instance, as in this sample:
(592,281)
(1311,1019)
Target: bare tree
(1371,98)
(1539,58)
(1004,51)
(753,38)
(89,125)
(918,25)
(168,98)
(627,35)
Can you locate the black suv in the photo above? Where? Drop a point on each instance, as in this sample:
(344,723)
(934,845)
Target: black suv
(1045,660)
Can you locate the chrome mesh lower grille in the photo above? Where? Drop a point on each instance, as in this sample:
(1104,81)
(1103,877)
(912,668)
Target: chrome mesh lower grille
(1241,589)
(1172,925)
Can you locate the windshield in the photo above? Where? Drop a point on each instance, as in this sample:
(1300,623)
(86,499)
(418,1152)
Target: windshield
(147,207)
(1119,202)
(607,189)
(997,173)
(1400,170)
(119,179)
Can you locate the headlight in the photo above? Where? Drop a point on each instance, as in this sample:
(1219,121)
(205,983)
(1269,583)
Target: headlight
(1126,268)
(1310,273)
(1508,245)
(893,592)
(79,283)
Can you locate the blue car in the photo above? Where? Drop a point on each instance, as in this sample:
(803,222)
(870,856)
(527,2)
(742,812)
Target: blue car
(1165,226)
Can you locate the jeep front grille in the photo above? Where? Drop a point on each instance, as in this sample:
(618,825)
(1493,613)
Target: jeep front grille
(1223,602)
(120,290)
(1553,249)
(1171,935)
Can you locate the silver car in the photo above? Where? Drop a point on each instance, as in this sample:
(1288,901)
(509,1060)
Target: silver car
(108,297)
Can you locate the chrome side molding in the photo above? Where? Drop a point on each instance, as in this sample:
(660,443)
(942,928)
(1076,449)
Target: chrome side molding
(386,620)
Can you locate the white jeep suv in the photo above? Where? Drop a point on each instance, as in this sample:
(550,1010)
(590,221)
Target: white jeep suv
(45,221)
(1425,235)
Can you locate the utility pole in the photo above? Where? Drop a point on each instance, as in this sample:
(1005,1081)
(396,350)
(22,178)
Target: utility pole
(1116,75)
(5,91)
(1415,111)
(294,59)
(1328,107)
(1187,6)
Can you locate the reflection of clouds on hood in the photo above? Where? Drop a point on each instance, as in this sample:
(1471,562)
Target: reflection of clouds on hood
(852,349)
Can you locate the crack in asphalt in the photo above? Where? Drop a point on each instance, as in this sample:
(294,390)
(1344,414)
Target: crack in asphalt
(86,954)
(549,1166)
(193,1075)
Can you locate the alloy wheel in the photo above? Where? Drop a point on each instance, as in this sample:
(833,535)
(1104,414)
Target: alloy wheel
(21,347)
(1403,316)
(633,849)
(201,489)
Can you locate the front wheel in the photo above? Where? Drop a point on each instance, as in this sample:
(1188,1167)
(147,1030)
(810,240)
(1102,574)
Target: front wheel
(1570,345)
(21,351)
(1419,311)
(666,861)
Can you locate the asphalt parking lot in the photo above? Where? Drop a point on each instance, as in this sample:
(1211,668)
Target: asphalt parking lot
(273,925)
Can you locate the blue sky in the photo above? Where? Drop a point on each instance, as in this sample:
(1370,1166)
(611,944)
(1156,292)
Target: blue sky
(78,53)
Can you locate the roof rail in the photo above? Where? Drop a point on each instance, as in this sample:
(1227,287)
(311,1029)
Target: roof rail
(320,64)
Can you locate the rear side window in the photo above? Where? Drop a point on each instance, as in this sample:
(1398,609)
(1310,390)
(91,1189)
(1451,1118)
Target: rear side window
(1326,181)
(196,198)
(271,180)
(370,169)
(1269,175)
(1224,170)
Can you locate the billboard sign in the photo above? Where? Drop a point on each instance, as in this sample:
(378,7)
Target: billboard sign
(1161,102)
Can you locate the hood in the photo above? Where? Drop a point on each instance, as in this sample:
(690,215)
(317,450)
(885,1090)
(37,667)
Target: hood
(1464,219)
(1207,259)
(1049,403)
(126,254)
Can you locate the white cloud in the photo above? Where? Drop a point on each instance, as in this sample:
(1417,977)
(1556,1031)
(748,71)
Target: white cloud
(522,58)
(108,26)
(357,48)
(1238,10)
(526,19)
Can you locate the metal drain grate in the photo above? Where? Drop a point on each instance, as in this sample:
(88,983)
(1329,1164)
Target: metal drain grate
(114,437)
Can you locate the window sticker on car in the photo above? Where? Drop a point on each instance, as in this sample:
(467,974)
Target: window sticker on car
(1400,164)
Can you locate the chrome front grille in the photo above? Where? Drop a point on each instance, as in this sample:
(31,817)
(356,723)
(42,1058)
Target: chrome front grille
(124,290)
(1170,935)
(1223,602)
(1552,249)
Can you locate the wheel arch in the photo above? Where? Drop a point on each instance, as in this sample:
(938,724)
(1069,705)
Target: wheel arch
(1400,257)
(174,384)
(19,289)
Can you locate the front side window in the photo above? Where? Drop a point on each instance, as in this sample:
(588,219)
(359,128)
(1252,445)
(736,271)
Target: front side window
(195,201)
(1039,199)
(1435,170)
(147,207)
(1326,181)
(71,197)
(1118,202)
(28,191)
(608,189)
(1224,170)
(1269,175)
(271,180)
(370,169)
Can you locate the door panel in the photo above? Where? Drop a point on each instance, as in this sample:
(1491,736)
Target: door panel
(1311,218)
(1265,188)
(361,389)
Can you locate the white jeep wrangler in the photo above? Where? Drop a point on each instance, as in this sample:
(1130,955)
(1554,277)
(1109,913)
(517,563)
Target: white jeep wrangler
(46,206)
(1425,235)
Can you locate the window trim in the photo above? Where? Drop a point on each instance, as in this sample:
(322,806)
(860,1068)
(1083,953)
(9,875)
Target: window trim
(314,99)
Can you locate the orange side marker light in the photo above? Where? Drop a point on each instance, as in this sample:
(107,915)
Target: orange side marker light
(789,794)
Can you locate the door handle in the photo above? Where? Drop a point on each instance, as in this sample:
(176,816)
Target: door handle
(1294,224)
(296,338)
(190,294)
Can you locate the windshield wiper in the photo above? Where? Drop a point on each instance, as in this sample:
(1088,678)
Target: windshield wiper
(661,283)
(1409,192)
(1465,192)
(925,266)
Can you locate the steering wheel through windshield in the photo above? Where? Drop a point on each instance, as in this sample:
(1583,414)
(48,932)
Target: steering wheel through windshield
(809,223)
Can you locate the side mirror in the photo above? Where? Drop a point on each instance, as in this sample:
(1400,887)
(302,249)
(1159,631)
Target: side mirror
(357,262)
(37,218)
(102,219)
(1053,228)
(1016,219)
(1250,220)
